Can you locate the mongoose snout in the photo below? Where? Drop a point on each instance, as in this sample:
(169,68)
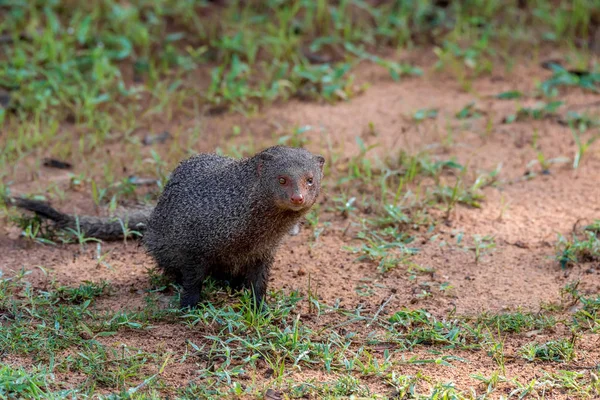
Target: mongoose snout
(297,198)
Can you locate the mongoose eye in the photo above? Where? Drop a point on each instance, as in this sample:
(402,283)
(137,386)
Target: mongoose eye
(309,181)
(282,181)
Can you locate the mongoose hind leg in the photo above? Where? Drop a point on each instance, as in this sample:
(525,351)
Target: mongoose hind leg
(257,279)
(192,279)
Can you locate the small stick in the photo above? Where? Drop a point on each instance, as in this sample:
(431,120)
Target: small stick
(380,310)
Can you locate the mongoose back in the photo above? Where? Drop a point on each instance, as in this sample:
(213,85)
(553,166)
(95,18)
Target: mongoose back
(225,218)
(217,216)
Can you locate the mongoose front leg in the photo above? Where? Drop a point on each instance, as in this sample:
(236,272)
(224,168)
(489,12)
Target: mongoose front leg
(257,278)
(192,280)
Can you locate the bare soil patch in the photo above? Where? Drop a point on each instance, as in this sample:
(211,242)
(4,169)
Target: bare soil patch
(524,216)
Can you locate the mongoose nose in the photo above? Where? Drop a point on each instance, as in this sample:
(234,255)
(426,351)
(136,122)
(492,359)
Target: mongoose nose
(297,199)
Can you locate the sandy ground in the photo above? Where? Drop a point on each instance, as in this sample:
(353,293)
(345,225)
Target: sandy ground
(524,215)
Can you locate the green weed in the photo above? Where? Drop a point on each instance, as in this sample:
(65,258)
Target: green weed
(577,250)
(562,77)
(481,246)
(35,382)
(76,77)
(540,111)
(516,322)
(557,350)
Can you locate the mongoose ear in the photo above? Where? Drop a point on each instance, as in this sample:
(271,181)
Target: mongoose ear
(262,159)
(320,161)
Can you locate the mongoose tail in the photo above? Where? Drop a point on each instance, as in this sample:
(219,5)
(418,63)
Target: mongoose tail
(107,228)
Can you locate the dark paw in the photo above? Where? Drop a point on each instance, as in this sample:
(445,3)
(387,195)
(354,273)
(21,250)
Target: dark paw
(263,308)
(260,304)
(190,300)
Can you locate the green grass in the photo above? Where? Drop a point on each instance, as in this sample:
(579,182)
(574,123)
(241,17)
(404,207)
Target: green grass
(236,340)
(556,350)
(73,62)
(33,383)
(562,77)
(587,315)
(540,111)
(84,77)
(584,247)
(516,322)
(396,205)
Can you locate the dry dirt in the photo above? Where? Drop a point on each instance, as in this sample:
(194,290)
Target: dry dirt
(524,215)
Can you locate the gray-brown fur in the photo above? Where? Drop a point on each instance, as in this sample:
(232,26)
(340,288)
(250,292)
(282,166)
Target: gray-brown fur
(225,218)
(217,217)
(104,228)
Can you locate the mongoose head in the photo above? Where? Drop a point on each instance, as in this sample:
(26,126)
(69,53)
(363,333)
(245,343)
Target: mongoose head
(290,176)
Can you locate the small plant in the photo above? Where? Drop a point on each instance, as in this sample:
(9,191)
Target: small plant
(481,246)
(541,111)
(98,194)
(581,146)
(387,247)
(542,160)
(100,258)
(345,206)
(425,113)
(29,382)
(455,194)
(587,317)
(510,95)
(160,165)
(490,382)
(580,121)
(582,384)
(563,77)
(230,87)
(323,81)
(86,291)
(594,227)
(79,235)
(360,167)
(314,307)
(561,350)
(395,69)
(127,231)
(157,280)
(545,162)
(516,322)
(569,252)
(468,111)
(466,61)
(297,138)
(35,229)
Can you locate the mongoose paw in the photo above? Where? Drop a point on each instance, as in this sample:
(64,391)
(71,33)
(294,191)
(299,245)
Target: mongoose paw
(259,304)
(262,308)
(189,300)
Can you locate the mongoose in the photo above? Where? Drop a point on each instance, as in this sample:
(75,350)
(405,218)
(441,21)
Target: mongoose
(108,228)
(222,217)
